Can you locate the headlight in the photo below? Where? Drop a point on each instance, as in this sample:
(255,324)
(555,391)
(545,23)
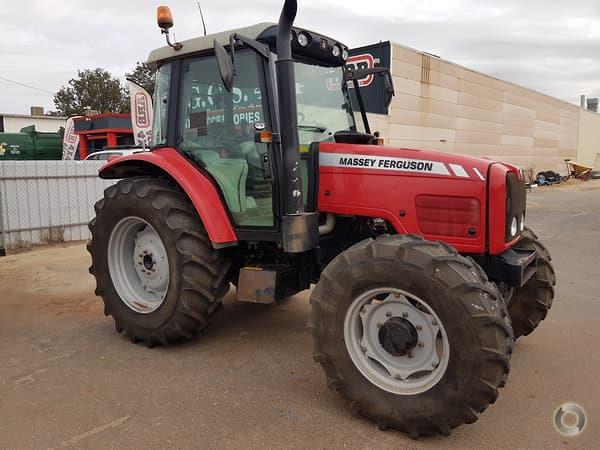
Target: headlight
(303,39)
(522,222)
(514,227)
(345,54)
(336,51)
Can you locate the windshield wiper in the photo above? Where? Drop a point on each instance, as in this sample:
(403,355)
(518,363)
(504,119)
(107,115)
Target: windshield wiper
(316,128)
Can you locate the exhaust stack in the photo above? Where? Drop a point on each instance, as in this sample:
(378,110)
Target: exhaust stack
(288,114)
(299,229)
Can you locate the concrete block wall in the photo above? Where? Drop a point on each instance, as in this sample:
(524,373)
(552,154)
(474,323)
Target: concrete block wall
(442,106)
(588,152)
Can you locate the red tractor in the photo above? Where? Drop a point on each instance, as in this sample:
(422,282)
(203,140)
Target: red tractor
(424,269)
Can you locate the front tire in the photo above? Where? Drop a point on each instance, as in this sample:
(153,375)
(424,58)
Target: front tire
(156,271)
(415,290)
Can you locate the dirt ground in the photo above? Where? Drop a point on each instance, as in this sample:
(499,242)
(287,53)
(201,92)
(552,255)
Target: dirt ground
(68,380)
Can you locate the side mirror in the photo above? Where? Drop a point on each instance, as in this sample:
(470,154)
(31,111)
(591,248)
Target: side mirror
(389,91)
(388,83)
(225,65)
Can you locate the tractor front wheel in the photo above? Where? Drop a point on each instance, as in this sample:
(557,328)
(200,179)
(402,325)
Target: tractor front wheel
(412,334)
(529,304)
(156,271)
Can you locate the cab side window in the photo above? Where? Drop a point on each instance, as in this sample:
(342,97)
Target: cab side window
(217,133)
(161,104)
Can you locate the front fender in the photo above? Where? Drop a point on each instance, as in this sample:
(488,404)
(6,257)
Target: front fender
(199,188)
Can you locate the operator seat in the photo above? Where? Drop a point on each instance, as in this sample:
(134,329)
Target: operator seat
(231,175)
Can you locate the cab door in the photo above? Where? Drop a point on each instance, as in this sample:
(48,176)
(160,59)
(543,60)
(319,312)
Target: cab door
(216,131)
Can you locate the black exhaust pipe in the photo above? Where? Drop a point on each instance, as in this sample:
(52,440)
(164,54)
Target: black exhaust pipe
(288,113)
(299,229)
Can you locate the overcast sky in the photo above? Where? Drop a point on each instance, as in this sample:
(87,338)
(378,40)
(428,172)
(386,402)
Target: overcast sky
(548,45)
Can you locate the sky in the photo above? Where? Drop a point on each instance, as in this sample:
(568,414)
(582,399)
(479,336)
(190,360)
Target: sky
(551,46)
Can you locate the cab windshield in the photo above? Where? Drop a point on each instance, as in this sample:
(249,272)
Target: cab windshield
(323,103)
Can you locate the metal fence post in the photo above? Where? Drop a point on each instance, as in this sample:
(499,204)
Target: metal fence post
(2,237)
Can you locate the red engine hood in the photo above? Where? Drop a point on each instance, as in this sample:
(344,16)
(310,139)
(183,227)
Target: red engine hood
(403,161)
(438,195)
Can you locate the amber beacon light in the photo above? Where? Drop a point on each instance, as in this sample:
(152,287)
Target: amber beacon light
(164,19)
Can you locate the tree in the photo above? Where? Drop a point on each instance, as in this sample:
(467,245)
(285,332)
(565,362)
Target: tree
(143,75)
(94,88)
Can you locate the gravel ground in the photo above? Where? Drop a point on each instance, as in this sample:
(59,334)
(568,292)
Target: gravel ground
(67,379)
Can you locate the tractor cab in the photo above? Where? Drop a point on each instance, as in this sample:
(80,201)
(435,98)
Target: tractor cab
(224,104)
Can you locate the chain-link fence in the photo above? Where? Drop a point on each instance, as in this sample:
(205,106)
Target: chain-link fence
(47,201)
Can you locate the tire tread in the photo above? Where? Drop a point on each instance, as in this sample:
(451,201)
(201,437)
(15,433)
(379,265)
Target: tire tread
(200,297)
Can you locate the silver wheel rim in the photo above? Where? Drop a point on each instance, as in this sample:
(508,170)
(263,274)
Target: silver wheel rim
(138,265)
(415,371)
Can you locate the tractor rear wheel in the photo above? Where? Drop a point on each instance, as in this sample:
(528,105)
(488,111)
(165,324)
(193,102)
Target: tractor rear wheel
(156,271)
(411,334)
(529,305)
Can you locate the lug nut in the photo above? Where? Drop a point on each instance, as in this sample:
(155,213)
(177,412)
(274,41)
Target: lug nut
(397,377)
(434,365)
(419,327)
(410,354)
(364,349)
(421,344)
(388,314)
(434,322)
(379,325)
(405,315)
(397,295)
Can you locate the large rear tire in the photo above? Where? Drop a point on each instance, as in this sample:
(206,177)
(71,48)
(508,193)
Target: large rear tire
(156,271)
(529,305)
(411,334)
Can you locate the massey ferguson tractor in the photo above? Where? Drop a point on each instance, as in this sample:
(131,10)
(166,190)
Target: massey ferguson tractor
(424,270)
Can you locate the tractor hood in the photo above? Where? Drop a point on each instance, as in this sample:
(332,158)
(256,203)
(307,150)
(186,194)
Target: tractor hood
(438,195)
(400,161)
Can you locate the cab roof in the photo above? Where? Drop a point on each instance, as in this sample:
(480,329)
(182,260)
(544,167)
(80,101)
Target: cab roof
(202,43)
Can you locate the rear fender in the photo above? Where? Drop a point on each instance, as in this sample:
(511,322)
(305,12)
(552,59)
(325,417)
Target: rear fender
(203,194)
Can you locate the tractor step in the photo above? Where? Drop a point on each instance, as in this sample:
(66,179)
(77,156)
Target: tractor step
(267,284)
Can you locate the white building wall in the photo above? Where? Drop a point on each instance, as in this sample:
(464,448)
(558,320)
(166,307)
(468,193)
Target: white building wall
(14,123)
(588,152)
(442,106)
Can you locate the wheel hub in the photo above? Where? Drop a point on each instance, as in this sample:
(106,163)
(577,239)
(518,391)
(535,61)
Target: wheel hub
(396,341)
(398,336)
(138,264)
(148,262)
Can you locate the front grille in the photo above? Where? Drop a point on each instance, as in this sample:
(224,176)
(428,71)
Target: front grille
(516,199)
